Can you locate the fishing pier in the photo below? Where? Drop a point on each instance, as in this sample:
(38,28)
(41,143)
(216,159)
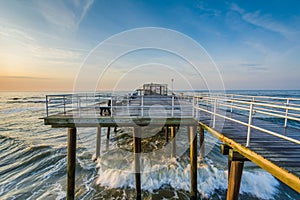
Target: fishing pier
(245,125)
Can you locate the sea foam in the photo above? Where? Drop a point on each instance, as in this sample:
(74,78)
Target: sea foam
(176,174)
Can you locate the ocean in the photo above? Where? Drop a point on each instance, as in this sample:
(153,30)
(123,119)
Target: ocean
(33,161)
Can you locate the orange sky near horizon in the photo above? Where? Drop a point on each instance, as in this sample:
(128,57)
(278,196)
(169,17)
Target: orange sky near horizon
(19,83)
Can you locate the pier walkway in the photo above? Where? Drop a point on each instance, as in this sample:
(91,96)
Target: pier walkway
(264,130)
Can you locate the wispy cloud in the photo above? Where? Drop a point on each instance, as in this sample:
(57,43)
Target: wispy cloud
(264,21)
(208,10)
(16,34)
(260,47)
(56,53)
(254,66)
(28,46)
(85,9)
(63,15)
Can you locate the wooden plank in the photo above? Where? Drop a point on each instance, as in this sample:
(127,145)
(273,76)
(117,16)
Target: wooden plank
(71,122)
(280,154)
(236,156)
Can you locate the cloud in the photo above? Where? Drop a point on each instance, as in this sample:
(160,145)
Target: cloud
(15,34)
(209,11)
(85,9)
(64,15)
(264,21)
(56,53)
(250,64)
(254,66)
(18,42)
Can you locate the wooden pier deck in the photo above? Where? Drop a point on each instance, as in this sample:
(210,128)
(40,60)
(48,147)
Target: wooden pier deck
(253,129)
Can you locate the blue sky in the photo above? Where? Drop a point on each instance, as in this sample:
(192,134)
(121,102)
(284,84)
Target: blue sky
(254,44)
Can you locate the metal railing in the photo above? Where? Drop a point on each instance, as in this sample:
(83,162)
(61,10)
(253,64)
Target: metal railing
(261,107)
(66,104)
(91,104)
(220,105)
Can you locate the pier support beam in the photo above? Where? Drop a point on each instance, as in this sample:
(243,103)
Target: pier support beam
(98,142)
(167,133)
(107,138)
(234,180)
(235,170)
(71,167)
(201,134)
(108,133)
(173,143)
(193,160)
(137,153)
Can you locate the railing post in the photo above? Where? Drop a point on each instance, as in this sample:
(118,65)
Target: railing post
(231,104)
(142,106)
(79,105)
(172,106)
(286,112)
(64,105)
(197,108)
(111,106)
(215,111)
(47,113)
(193,107)
(249,124)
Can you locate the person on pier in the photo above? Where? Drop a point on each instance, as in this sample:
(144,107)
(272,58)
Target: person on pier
(106,109)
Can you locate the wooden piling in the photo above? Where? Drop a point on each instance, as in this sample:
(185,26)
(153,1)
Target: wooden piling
(108,132)
(234,181)
(193,161)
(202,149)
(107,145)
(137,151)
(229,167)
(167,133)
(98,142)
(235,170)
(71,167)
(173,143)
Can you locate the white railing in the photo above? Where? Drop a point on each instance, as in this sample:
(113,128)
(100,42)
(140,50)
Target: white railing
(260,106)
(66,104)
(91,104)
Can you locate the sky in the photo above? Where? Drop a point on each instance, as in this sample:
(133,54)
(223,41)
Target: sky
(63,45)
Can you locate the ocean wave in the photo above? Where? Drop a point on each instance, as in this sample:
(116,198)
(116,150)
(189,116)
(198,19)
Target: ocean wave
(175,173)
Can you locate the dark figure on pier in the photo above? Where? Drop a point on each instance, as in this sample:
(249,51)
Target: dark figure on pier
(106,108)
